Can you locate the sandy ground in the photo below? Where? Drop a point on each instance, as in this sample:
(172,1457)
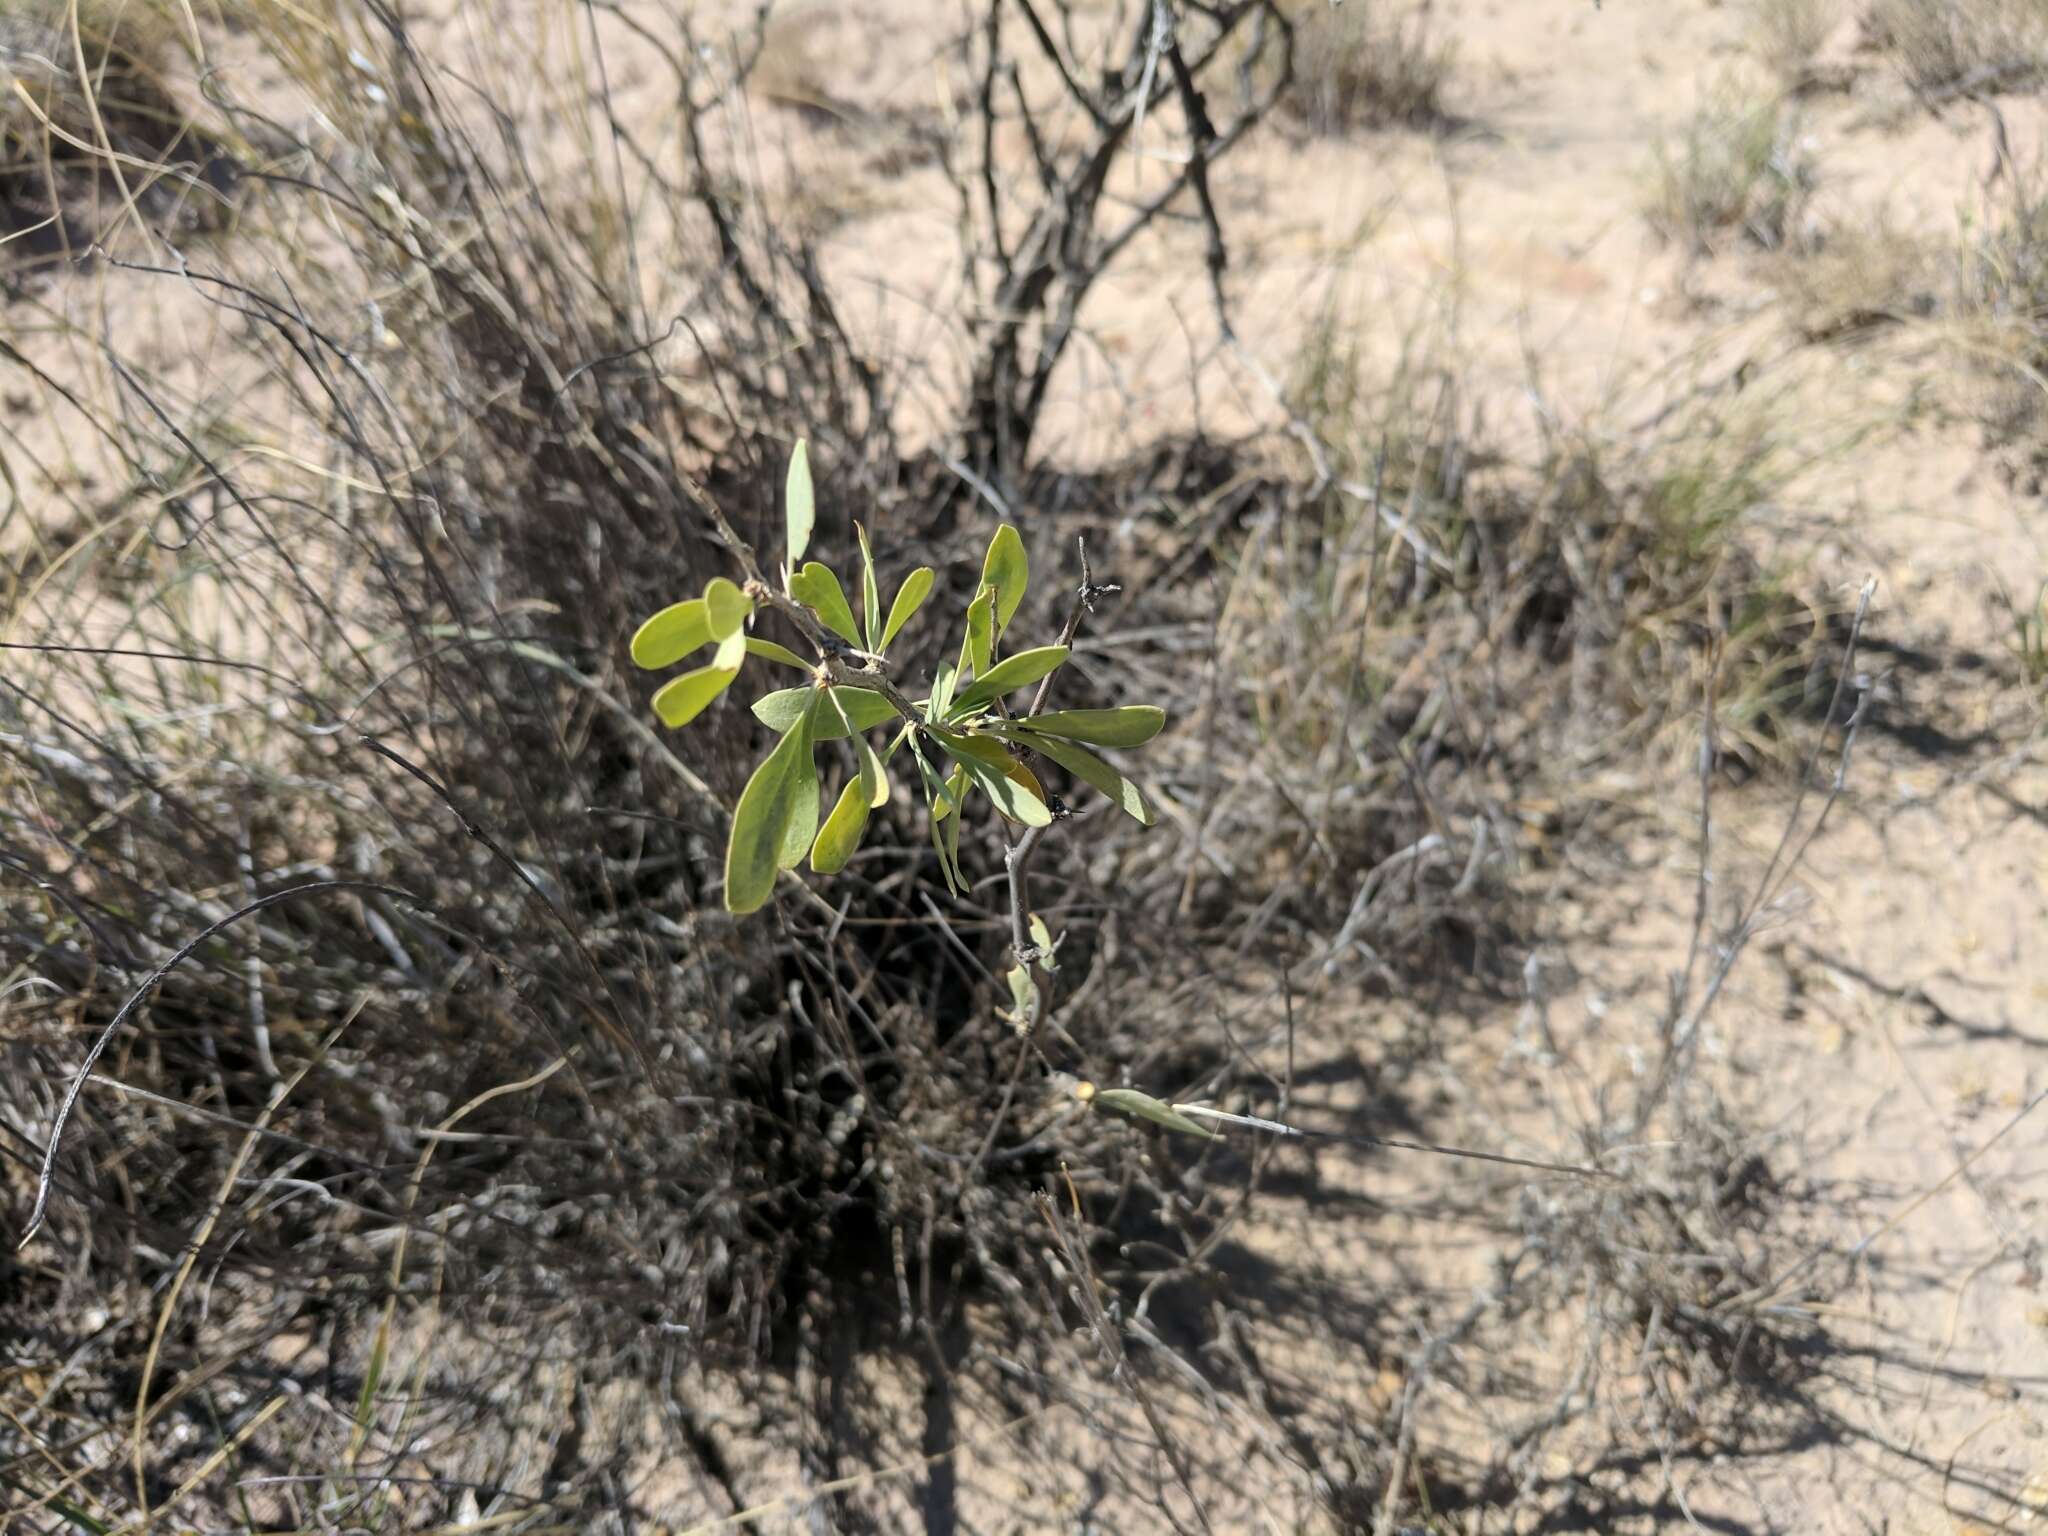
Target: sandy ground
(1888,1024)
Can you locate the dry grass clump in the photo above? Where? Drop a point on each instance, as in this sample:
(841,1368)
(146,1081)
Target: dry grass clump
(1945,49)
(1858,277)
(1787,35)
(1735,171)
(95,128)
(1367,64)
(1422,656)
(1994,311)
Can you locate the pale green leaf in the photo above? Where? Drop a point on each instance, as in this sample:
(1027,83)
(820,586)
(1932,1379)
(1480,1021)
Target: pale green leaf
(864,707)
(980,645)
(956,788)
(803,811)
(799,503)
(1128,1101)
(870,594)
(1083,764)
(840,835)
(1006,569)
(1041,940)
(774,652)
(874,778)
(762,818)
(1131,726)
(726,607)
(941,805)
(942,691)
(1023,995)
(818,590)
(1000,776)
(1009,674)
(683,699)
(672,634)
(917,586)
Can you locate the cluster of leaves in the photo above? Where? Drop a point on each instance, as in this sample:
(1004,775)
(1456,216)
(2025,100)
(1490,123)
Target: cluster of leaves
(962,722)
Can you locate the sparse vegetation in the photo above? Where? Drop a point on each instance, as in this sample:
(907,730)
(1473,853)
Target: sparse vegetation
(441,1098)
(1943,49)
(1855,278)
(1737,170)
(93,129)
(1370,64)
(1787,35)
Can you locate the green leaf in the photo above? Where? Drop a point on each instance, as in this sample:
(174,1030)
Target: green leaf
(996,773)
(980,644)
(1131,726)
(942,806)
(1023,996)
(874,778)
(803,812)
(917,586)
(1128,1101)
(1006,569)
(864,707)
(760,822)
(818,590)
(870,595)
(942,691)
(1041,940)
(1083,764)
(672,634)
(1011,673)
(683,699)
(800,507)
(956,789)
(841,833)
(873,775)
(726,607)
(774,652)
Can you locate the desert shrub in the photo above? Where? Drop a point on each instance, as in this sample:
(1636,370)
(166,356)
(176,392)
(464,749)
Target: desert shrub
(456,1155)
(1944,49)
(1364,66)
(340,814)
(1735,169)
